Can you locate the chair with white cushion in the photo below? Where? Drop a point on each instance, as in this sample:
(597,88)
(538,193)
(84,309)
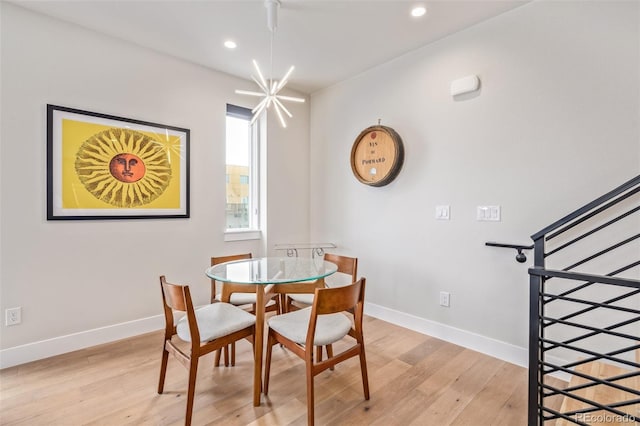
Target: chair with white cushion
(216,294)
(301,295)
(238,294)
(347,273)
(241,295)
(327,321)
(207,329)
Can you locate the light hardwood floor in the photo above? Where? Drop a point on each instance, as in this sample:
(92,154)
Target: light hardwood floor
(414,380)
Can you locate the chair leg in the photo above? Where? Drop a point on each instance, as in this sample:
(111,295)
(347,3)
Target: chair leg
(271,342)
(193,372)
(330,355)
(310,394)
(226,356)
(318,353)
(233,354)
(216,363)
(278,300)
(363,369)
(267,363)
(163,369)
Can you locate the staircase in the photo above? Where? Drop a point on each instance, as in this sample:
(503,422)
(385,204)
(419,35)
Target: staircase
(585,315)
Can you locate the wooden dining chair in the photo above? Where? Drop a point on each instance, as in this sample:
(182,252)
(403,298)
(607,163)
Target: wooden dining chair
(215,293)
(301,295)
(241,295)
(322,324)
(207,329)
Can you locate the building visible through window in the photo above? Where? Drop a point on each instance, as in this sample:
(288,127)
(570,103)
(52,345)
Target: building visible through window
(241,183)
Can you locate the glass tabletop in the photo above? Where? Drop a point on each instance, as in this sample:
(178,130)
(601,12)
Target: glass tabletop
(271,270)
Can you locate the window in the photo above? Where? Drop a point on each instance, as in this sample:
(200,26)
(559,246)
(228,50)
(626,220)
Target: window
(241,171)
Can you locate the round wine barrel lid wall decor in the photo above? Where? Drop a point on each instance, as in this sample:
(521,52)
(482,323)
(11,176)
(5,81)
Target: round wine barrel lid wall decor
(377,155)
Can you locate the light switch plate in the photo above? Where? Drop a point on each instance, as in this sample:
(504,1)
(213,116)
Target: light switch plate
(488,213)
(442,212)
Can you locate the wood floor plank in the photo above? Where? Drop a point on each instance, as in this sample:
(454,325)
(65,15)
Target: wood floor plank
(389,402)
(413,378)
(453,398)
(493,398)
(514,411)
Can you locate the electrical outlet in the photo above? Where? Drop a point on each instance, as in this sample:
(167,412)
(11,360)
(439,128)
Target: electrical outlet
(13,316)
(444,298)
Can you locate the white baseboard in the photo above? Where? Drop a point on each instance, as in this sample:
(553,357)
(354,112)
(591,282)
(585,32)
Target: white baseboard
(76,341)
(73,342)
(486,345)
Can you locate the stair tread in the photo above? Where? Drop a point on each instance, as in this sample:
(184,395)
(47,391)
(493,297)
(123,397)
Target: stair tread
(602,394)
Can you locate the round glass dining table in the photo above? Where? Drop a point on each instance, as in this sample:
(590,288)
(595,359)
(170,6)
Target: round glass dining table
(267,274)
(271,270)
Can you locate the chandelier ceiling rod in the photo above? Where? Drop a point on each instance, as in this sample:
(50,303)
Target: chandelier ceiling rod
(272,14)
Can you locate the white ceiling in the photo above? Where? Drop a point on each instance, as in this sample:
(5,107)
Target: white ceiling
(328,41)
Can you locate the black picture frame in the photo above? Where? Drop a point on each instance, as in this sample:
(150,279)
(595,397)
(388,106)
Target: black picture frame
(104,167)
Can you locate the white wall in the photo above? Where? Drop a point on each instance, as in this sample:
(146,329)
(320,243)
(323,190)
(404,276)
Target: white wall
(77,276)
(554,125)
(288,177)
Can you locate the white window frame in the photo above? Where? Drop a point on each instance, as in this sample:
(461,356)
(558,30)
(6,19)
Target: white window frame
(253,232)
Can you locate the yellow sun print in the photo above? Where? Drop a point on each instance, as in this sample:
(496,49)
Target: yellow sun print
(123,167)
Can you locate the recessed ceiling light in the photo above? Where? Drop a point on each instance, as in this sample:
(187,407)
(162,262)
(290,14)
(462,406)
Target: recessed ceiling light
(418,11)
(230,44)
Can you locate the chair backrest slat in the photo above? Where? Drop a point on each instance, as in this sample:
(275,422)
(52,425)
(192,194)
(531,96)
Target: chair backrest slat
(346,265)
(338,299)
(222,259)
(178,298)
(174,295)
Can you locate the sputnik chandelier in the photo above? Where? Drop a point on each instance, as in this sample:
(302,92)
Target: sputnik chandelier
(271,89)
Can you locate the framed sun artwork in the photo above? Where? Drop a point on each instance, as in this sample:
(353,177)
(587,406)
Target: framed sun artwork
(106,167)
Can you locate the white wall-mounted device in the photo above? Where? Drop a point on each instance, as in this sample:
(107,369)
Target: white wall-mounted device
(467,84)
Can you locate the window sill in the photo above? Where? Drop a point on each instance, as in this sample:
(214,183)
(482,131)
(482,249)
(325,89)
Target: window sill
(242,235)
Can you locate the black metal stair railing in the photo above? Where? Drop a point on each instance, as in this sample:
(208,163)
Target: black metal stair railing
(584,333)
